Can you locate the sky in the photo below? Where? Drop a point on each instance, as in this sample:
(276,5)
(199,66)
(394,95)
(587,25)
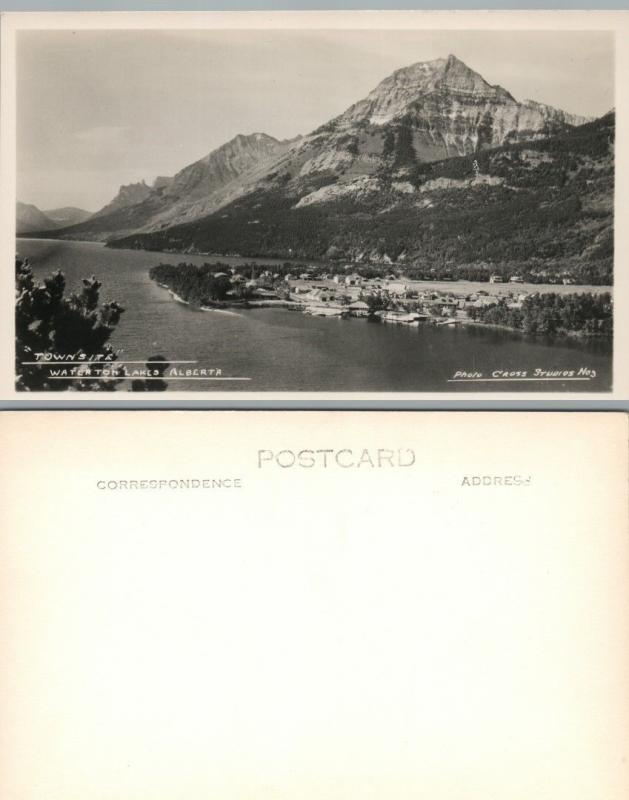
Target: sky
(98,109)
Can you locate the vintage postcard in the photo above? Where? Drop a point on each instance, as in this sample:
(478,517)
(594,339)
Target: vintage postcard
(314,605)
(314,204)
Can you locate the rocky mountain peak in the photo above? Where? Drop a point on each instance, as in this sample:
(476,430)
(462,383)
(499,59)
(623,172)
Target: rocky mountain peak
(409,86)
(441,74)
(224,164)
(430,75)
(128,195)
(241,143)
(161,181)
(458,77)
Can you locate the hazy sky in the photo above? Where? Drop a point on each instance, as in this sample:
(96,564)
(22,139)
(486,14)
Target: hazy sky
(97,109)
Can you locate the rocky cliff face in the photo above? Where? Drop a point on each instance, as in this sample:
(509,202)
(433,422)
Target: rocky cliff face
(439,109)
(128,195)
(401,91)
(223,165)
(449,86)
(206,184)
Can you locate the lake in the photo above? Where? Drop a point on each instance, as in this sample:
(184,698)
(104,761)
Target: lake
(281,350)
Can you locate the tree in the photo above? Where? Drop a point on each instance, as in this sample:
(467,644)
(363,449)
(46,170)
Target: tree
(404,153)
(74,328)
(376,302)
(219,286)
(197,285)
(241,291)
(388,143)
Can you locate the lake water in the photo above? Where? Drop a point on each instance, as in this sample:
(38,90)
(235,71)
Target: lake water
(281,350)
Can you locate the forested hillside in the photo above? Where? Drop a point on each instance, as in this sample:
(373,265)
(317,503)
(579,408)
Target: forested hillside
(546,203)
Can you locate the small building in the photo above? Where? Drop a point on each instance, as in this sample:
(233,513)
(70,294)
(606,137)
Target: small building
(320,294)
(515,279)
(495,279)
(359,309)
(483,302)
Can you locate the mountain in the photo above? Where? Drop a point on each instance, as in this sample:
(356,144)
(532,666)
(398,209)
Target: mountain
(450,110)
(547,201)
(427,112)
(68,215)
(194,191)
(207,184)
(337,189)
(29,219)
(129,195)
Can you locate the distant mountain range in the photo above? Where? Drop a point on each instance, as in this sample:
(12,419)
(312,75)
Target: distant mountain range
(30,219)
(433,142)
(193,192)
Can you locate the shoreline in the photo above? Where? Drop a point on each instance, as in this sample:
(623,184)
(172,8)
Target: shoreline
(561,333)
(228,306)
(497,289)
(437,322)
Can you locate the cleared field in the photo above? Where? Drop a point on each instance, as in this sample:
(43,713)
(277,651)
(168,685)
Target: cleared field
(500,289)
(469,287)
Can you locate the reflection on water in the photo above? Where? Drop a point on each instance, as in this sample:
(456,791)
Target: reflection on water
(282,350)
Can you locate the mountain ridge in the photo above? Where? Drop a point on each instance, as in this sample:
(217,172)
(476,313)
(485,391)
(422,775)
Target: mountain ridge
(193,191)
(547,202)
(420,114)
(31,219)
(67,215)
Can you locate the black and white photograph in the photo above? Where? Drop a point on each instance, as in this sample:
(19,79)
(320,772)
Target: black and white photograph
(308,210)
